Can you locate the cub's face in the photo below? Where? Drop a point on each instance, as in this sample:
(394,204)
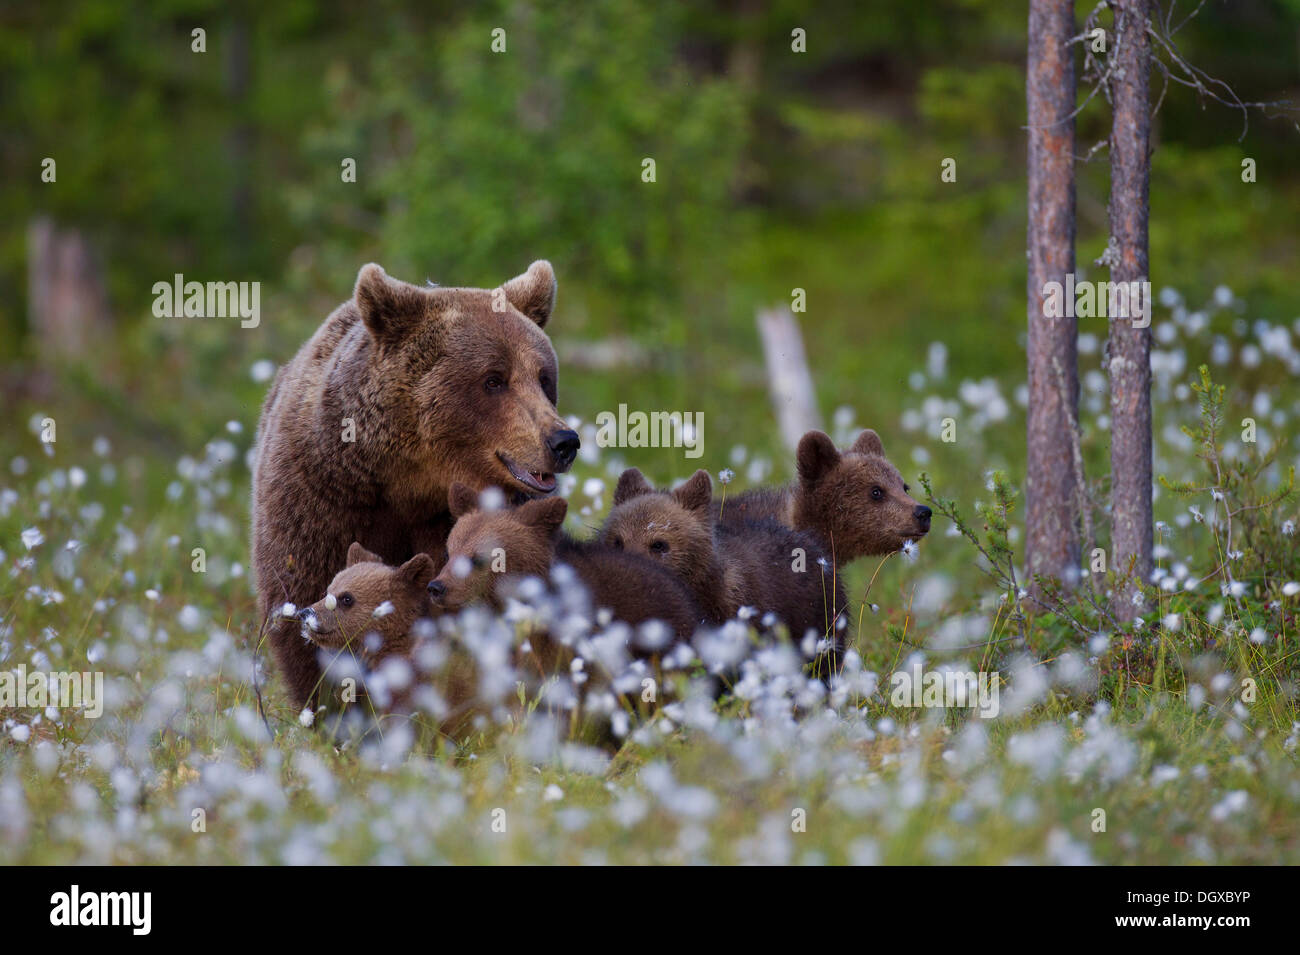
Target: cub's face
(672,527)
(484,547)
(474,377)
(369,596)
(856,499)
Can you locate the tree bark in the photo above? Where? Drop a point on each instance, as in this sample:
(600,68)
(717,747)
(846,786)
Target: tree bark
(67,302)
(1130,347)
(790,380)
(1051,480)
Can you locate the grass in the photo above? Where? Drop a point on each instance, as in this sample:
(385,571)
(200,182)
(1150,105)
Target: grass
(1147,730)
(1147,723)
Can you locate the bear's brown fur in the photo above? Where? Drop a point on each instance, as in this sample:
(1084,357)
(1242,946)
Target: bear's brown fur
(855,502)
(402,391)
(369,613)
(374,607)
(529,541)
(749,563)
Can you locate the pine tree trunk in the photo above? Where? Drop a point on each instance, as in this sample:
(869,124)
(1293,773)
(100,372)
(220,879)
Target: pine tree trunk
(1051,480)
(1130,347)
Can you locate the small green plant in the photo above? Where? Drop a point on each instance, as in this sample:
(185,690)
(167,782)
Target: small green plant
(1242,518)
(995,545)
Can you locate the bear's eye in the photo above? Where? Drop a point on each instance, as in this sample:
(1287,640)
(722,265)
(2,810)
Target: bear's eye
(347,600)
(494,384)
(618,543)
(659,547)
(877,494)
(478,561)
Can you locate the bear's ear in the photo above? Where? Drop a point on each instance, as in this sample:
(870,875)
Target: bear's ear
(461,500)
(533,293)
(869,443)
(547,512)
(418,571)
(389,308)
(697,493)
(359,555)
(631,483)
(815,456)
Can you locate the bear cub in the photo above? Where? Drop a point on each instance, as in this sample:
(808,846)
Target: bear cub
(370,607)
(754,562)
(488,549)
(855,501)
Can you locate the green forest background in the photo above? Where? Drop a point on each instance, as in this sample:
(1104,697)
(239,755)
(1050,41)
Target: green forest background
(775,170)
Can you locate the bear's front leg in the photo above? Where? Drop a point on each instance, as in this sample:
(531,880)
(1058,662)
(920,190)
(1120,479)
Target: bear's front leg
(431,538)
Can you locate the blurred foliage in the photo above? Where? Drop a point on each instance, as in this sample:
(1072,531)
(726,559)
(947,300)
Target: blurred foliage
(775,170)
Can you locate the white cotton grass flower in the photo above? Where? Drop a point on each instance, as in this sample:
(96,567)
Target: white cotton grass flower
(726,476)
(492,498)
(1259,636)
(1173,621)
(1290,588)
(155,596)
(552,793)
(1288,528)
(288,610)
(909,550)
(331,601)
(1234,802)
(32,538)
(384,609)
(307,717)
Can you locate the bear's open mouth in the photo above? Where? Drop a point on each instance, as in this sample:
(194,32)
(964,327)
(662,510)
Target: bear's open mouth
(542,481)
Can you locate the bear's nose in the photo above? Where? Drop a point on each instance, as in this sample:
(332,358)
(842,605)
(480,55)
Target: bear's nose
(564,445)
(437,590)
(922,515)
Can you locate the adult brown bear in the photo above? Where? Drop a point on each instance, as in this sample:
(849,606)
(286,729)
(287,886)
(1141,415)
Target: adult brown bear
(401,392)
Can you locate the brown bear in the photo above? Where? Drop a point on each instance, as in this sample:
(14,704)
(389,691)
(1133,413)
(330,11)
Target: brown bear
(370,608)
(753,563)
(402,391)
(489,549)
(855,502)
(370,613)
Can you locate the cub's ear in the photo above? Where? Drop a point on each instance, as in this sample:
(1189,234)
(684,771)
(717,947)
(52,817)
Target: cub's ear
(359,555)
(631,483)
(390,308)
(815,456)
(547,512)
(461,500)
(869,443)
(417,571)
(533,293)
(697,493)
